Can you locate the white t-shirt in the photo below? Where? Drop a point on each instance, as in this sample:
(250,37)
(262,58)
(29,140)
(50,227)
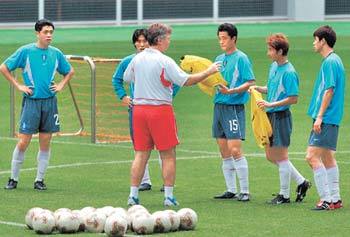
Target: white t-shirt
(153,74)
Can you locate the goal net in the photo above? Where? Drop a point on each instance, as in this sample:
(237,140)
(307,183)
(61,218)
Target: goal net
(87,106)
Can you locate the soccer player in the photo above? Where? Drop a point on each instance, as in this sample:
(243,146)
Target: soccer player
(39,62)
(326,110)
(229,115)
(153,74)
(282,91)
(139,40)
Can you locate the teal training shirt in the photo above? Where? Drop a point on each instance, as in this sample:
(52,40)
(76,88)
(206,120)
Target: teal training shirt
(39,67)
(331,75)
(236,70)
(283,82)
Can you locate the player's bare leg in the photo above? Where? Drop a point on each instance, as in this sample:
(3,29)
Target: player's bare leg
(169,172)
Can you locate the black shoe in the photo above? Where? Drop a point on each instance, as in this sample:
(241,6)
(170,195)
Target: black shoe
(39,185)
(302,189)
(162,188)
(145,187)
(323,206)
(12,184)
(279,199)
(226,195)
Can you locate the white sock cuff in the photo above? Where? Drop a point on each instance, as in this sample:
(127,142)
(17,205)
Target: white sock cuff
(241,162)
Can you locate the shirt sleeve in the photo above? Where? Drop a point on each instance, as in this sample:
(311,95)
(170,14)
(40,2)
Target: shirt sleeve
(129,74)
(16,60)
(246,69)
(64,66)
(329,72)
(117,79)
(174,73)
(291,83)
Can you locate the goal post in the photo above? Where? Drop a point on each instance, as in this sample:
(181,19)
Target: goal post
(88,106)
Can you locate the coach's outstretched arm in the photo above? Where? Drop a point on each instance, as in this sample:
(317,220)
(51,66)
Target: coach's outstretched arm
(198,77)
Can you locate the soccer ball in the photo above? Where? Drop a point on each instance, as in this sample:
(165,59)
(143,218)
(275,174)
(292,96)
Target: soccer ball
(136,208)
(188,218)
(30,215)
(174,219)
(81,219)
(44,223)
(67,222)
(115,226)
(95,222)
(162,222)
(59,211)
(119,211)
(143,223)
(107,210)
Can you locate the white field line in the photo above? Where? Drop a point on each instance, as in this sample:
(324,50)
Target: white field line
(23,225)
(12,223)
(215,155)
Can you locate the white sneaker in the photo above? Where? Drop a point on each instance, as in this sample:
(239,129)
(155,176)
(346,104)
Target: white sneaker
(168,201)
(133,201)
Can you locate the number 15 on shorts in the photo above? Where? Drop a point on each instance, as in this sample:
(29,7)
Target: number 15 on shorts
(233,124)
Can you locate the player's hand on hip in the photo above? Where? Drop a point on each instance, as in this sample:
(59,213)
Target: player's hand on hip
(317,125)
(25,89)
(56,87)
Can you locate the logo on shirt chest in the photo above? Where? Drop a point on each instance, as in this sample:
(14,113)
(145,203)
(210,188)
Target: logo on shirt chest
(44,58)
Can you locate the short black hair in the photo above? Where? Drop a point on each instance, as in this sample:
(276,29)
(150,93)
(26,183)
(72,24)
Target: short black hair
(41,23)
(137,33)
(229,28)
(327,33)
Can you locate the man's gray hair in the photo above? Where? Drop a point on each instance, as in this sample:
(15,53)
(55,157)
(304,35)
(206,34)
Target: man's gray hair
(157,32)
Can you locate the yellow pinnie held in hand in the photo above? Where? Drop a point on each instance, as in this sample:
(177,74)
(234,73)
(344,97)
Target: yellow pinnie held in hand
(195,64)
(260,122)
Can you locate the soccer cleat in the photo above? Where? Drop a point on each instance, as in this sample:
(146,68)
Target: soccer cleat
(302,189)
(336,205)
(279,199)
(39,185)
(226,195)
(168,201)
(11,184)
(243,197)
(145,187)
(162,188)
(133,201)
(323,206)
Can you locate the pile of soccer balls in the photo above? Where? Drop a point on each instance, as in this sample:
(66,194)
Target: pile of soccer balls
(112,221)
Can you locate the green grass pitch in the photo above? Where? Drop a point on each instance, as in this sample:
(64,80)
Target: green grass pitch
(82,174)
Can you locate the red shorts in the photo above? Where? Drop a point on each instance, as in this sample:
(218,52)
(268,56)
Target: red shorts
(154,125)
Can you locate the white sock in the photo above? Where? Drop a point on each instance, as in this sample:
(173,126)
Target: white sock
(295,175)
(285,173)
(16,164)
(168,191)
(228,169)
(43,162)
(241,165)
(146,178)
(321,181)
(134,191)
(333,182)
